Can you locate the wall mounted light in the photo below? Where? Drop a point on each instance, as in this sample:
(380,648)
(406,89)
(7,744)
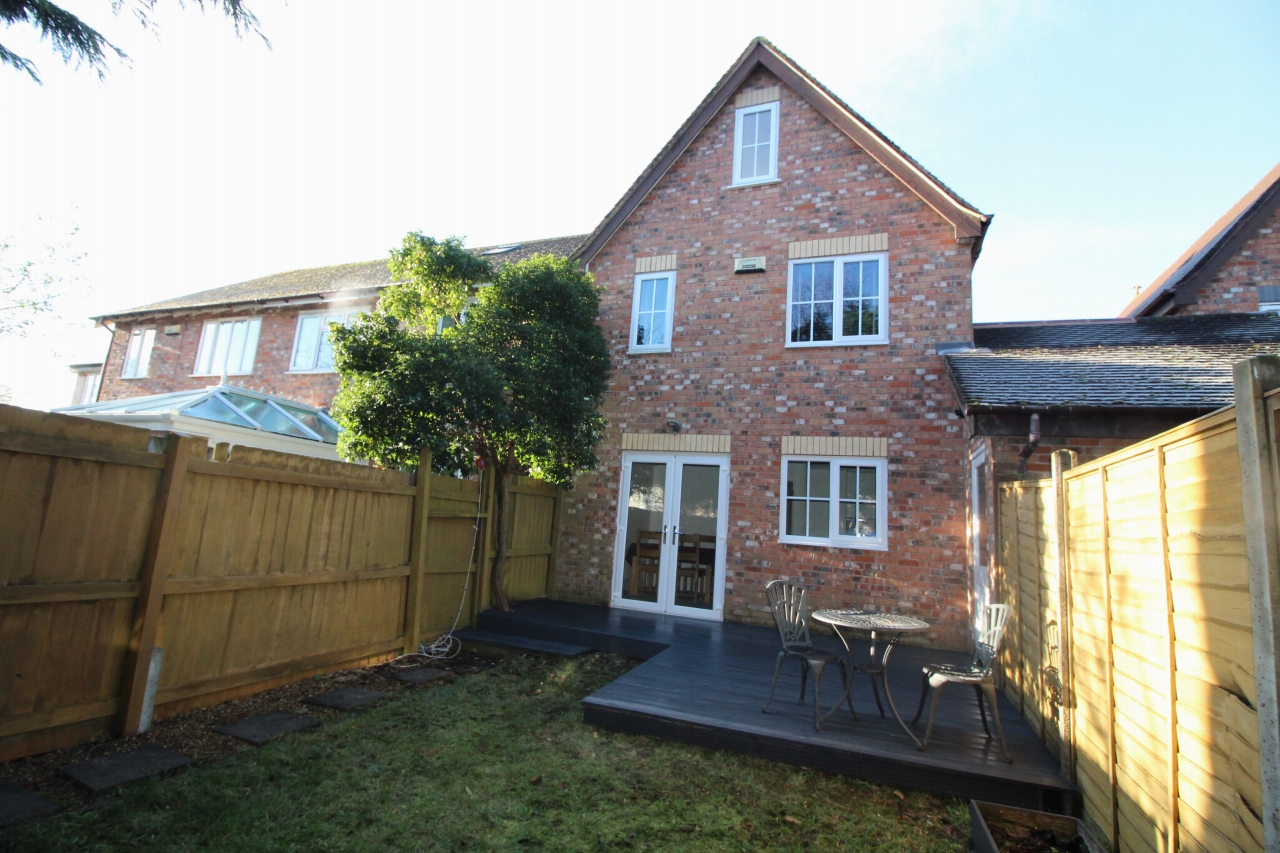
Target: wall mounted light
(674,426)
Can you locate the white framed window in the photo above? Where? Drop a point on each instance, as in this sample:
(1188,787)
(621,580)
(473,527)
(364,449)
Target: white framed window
(89,394)
(835,501)
(652,308)
(1269,298)
(312,349)
(838,300)
(755,144)
(137,358)
(228,346)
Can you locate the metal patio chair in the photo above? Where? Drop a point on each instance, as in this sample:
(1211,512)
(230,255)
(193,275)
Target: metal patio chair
(789,604)
(978,673)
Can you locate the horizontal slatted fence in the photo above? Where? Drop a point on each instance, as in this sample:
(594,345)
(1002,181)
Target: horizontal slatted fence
(248,568)
(1159,717)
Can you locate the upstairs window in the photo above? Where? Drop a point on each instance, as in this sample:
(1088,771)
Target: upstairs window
(651,312)
(834,501)
(312,349)
(838,301)
(228,346)
(755,148)
(1269,298)
(137,358)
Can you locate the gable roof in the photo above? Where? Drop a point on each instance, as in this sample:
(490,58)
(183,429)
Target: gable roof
(968,222)
(1178,362)
(1179,284)
(353,279)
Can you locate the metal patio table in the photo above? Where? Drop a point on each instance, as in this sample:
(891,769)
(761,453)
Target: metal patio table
(884,623)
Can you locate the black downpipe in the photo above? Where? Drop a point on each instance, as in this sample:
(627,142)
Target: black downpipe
(1033,441)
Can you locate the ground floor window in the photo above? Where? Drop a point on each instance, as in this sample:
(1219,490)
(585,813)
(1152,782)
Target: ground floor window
(839,502)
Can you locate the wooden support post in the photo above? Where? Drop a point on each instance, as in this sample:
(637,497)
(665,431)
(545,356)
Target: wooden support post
(417,554)
(1172,835)
(484,577)
(156,563)
(553,560)
(1063,461)
(1109,661)
(1259,488)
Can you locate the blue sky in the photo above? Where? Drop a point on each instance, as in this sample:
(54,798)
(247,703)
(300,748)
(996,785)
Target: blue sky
(1104,137)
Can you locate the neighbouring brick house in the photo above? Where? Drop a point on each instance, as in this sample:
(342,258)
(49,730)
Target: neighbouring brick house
(266,334)
(778,286)
(1234,266)
(1093,387)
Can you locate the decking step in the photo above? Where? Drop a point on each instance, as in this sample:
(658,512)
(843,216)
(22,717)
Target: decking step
(515,641)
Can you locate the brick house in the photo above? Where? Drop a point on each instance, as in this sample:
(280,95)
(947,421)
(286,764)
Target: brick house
(1095,386)
(266,334)
(779,285)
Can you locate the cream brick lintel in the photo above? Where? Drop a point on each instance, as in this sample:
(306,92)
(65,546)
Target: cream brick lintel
(828,445)
(660,263)
(855,245)
(757,96)
(666,443)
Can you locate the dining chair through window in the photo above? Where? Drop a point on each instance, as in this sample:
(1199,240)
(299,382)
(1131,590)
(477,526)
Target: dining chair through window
(979,673)
(790,607)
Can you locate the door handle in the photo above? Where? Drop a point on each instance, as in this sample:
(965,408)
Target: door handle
(664,534)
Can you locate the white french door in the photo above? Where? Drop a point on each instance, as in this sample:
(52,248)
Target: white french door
(670,552)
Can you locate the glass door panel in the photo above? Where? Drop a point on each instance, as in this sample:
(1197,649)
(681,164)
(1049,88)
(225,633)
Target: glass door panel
(646,532)
(696,536)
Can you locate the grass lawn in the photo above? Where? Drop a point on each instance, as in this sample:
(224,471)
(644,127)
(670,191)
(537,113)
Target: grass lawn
(499,760)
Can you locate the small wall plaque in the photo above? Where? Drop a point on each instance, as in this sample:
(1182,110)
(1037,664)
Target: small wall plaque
(748,265)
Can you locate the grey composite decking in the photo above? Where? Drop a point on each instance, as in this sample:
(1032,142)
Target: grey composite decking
(704,683)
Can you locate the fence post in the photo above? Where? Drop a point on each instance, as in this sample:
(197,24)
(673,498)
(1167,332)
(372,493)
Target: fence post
(1253,379)
(1173,840)
(554,557)
(1062,461)
(417,554)
(483,575)
(156,563)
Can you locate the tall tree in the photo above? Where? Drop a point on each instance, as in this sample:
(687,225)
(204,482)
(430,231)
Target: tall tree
(516,388)
(78,42)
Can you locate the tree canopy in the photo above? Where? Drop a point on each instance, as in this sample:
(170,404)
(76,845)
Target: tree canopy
(516,388)
(78,42)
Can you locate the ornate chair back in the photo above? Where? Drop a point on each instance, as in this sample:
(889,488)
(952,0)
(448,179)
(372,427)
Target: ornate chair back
(790,607)
(990,633)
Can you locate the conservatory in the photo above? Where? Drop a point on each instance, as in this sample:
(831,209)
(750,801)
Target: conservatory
(226,413)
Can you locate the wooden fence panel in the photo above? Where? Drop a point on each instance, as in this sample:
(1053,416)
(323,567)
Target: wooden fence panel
(273,567)
(1164,732)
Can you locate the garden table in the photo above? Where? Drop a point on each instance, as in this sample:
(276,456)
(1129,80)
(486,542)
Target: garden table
(884,623)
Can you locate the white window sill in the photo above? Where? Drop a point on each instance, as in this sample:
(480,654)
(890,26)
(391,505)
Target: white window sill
(216,375)
(746,184)
(133,378)
(648,351)
(311,372)
(859,342)
(850,544)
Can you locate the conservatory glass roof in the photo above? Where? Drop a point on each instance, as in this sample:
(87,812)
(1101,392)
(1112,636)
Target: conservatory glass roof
(228,404)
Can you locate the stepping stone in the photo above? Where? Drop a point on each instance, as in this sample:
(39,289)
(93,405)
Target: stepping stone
(16,803)
(345,698)
(514,641)
(416,674)
(262,728)
(109,771)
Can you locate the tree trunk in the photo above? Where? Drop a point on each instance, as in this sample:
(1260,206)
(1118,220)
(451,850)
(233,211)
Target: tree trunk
(502,501)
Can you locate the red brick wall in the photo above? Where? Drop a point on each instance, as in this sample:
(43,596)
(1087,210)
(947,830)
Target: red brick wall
(174,358)
(1005,450)
(729,372)
(1235,287)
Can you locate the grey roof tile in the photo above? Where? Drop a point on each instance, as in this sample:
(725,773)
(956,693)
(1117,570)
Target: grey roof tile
(1157,362)
(336,279)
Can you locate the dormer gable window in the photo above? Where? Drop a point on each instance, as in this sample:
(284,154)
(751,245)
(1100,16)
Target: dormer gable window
(755,144)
